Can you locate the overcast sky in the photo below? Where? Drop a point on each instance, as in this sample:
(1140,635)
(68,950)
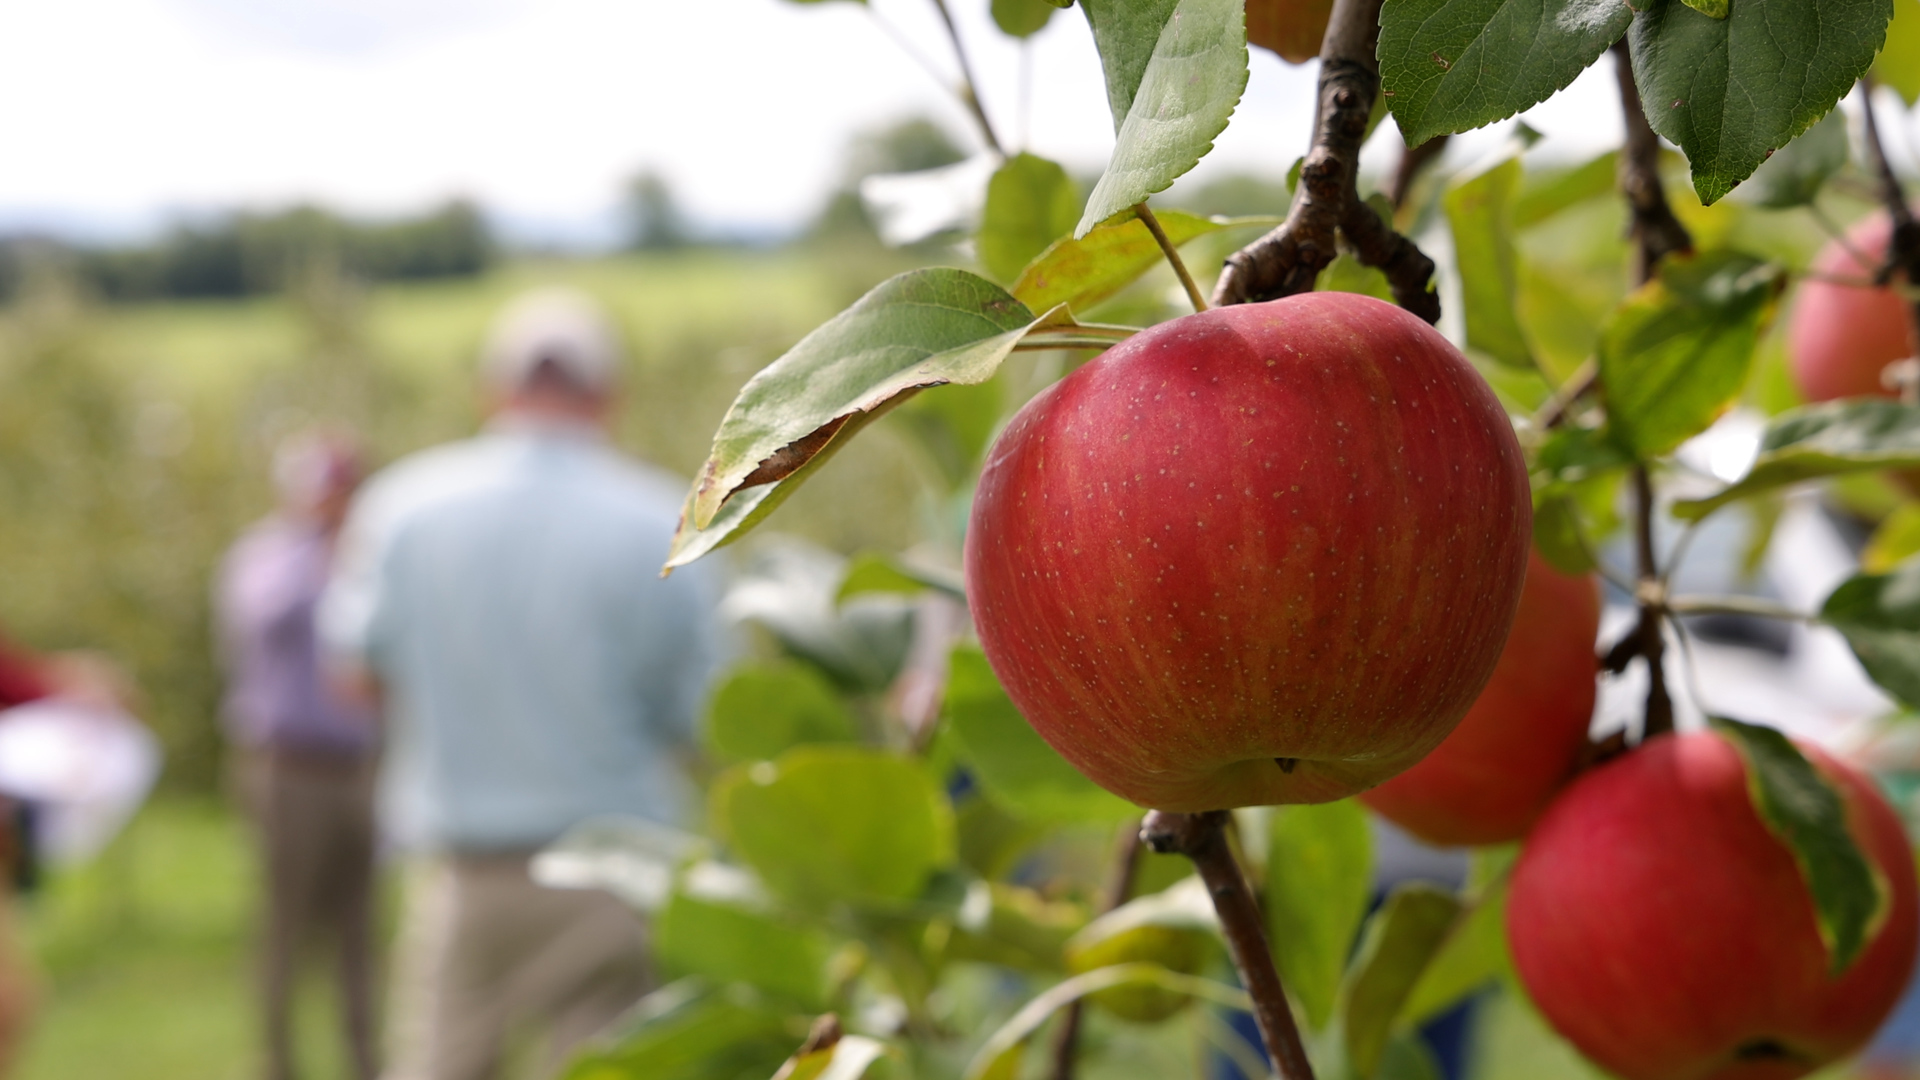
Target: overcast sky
(126,113)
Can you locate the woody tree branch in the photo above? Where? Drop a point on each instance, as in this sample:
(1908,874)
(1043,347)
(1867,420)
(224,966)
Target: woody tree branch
(1327,204)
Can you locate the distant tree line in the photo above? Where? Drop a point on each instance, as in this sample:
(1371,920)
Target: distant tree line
(247,254)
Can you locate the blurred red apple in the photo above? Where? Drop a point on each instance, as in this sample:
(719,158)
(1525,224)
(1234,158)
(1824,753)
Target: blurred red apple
(1841,336)
(1521,740)
(1668,934)
(1264,554)
(1292,28)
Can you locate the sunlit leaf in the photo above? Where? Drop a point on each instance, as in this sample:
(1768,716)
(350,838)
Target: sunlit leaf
(1898,64)
(1188,87)
(1452,65)
(724,940)
(1319,880)
(1023,18)
(1473,954)
(1541,200)
(850,1057)
(1480,215)
(762,710)
(1731,91)
(878,572)
(1175,929)
(1805,810)
(1401,940)
(1081,272)
(1829,439)
(1678,349)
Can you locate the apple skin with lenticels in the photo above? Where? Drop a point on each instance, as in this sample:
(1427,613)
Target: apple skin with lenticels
(1660,926)
(1523,738)
(1263,554)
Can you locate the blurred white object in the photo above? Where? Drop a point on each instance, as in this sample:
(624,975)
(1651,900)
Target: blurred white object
(910,207)
(86,767)
(630,857)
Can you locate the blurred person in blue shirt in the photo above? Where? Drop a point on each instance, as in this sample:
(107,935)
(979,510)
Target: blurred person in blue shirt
(501,597)
(305,756)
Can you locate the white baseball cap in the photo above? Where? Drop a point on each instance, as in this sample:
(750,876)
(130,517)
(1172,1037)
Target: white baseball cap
(555,326)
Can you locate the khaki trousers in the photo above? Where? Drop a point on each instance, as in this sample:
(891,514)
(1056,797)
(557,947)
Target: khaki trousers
(313,817)
(485,953)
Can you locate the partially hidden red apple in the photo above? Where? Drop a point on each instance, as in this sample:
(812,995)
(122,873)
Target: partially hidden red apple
(1264,554)
(1662,928)
(1292,28)
(1841,336)
(1522,739)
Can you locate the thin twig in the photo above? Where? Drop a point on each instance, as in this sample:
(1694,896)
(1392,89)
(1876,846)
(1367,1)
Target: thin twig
(969,87)
(1119,886)
(1737,605)
(1651,631)
(1202,838)
(1656,232)
(1413,161)
(1577,386)
(1903,246)
(1327,203)
(1173,255)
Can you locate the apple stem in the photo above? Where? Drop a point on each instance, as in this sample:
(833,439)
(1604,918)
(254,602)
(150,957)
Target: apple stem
(1656,232)
(1903,248)
(1173,255)
(1119,886)
(1327,204)
(1202,838)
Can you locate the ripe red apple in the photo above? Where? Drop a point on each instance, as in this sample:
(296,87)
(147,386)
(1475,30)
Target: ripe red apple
(1519,743)
(1661,927)
(1292,28)
(1841,336)
(1264,554)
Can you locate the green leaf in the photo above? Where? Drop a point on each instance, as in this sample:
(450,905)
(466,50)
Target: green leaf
(954,426)
(685,1031)
(1731,91)
(1795,173)
(1346,273)
(1450,65)
(1712,9)
(1571,454)
(1473,954)
(1880,616)
(1031,202)
(1125,33)
(1805,810)
(1898,64)
(1082,271)
(1557,535)
(999,1057)
(826,824)
(1677,350)
(879,572)
(1319,880)
(1023,18)
(763,710)
(1175,929)
(1541,200)
(1187,90)
(1022,930)
(724,940)
(1401,940)
(1014,765)
(1480,215)
(1828,439)
(1406,1057)
(921,329)
(1895,540)
(850,1057)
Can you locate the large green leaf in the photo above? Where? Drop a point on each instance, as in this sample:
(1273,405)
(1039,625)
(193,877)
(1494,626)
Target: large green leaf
(1828,439)
(723,939)
(1473,954)
(1542,199)
(685,1031)
(1795,174)
(1898,64)
(1319,879)
(1731,91)
(1175,929)
(1807,813)
(1451,65)
(1880,616)
(763,710)
(1480,215)
(1031,202)
(1082,271)
(1125,32)
(1016,766)
(1677,350)
(1186,92)
(1401,940)
(827,824)
(921,329)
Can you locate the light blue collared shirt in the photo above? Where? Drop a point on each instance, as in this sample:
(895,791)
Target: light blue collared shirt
(537,669)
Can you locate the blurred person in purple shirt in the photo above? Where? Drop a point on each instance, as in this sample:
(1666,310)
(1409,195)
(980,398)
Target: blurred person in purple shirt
(306,757)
